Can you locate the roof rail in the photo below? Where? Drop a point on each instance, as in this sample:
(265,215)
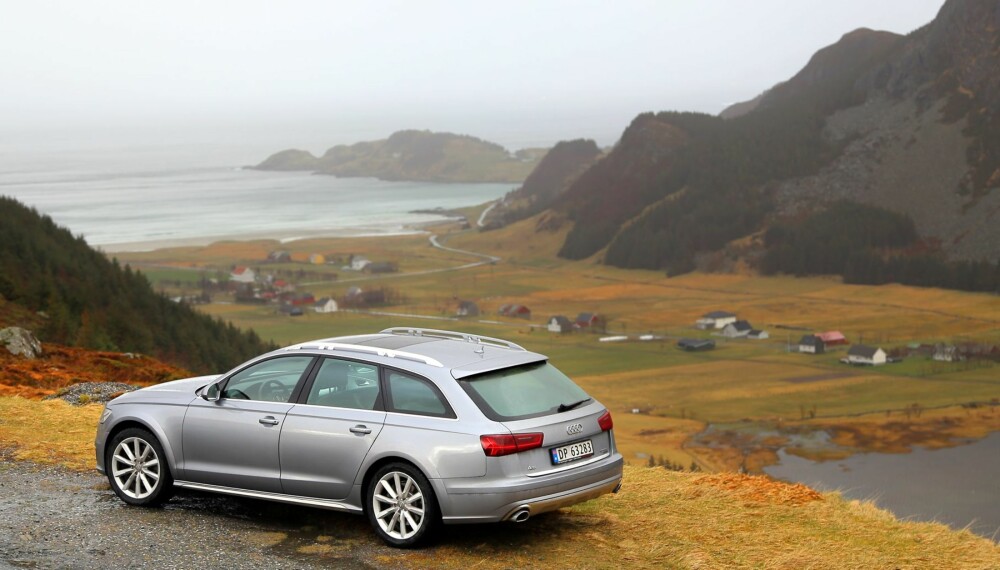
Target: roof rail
(385,352)
(452,335)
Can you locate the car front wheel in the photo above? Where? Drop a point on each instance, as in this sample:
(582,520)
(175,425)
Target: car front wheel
(401,505)
(137,468)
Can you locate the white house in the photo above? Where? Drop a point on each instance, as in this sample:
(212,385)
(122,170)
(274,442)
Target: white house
(560,324)
(715,320)
(738,329)
(758,335)
(867,355)
(947,353)
(325,305)
(358,263)
(243,275)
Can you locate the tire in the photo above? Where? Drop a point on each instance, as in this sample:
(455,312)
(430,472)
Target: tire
(137,468)
(401,506)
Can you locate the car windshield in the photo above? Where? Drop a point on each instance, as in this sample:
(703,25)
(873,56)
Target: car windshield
(524,392)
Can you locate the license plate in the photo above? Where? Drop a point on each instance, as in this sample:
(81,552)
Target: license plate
(571,452)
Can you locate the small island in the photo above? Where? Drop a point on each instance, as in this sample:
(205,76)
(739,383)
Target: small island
(419,156)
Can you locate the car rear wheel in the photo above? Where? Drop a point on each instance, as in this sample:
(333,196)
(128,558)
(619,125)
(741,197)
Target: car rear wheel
(137,468)
(401,505)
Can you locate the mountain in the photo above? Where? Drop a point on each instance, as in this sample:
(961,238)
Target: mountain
(553,175)
(421,156)
(70,294)
(904,124)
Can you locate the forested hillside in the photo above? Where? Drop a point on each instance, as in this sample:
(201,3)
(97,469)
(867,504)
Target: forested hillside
(86,300)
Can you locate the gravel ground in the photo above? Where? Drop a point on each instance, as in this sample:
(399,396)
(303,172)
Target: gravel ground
(53,518)
(94,392)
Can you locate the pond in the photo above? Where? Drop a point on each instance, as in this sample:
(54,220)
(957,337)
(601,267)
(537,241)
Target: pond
(958,486)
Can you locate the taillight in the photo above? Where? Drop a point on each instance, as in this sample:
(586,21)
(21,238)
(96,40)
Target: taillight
(505,444)
(605,421)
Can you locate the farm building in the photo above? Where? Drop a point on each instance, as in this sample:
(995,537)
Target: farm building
(560,324)
(242,274)
(353,293)
(325,305)
(812,344)
(467,309)
(738,329)
(758,335)
(833,338)
(516,311)
(381,267)
(279,257)
(947,353)
(590,320)
(695,344)
(303,299)
(359,262)
(519,312)
(864,354)
(715,320)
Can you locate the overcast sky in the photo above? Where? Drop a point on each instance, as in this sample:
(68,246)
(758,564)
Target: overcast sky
(314,73)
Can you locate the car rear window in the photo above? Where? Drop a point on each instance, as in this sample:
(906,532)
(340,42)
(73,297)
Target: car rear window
(522,392)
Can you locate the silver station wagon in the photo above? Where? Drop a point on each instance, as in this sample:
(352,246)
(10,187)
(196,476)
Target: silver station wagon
(410,427)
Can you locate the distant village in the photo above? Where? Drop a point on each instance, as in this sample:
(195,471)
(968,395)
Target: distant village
(269,285)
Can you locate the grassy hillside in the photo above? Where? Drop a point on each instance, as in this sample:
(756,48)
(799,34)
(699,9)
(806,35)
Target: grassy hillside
(658,520)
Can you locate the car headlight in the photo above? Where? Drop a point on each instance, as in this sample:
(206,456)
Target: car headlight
(105,414)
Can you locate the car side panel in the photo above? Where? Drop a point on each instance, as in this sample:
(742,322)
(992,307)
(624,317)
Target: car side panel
(319,454)
(164,420)
(226,444)
(440,447)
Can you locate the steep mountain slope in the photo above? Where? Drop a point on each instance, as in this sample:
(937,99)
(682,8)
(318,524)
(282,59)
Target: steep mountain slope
(414,155)
(554,173)
(910,124)
(77,297)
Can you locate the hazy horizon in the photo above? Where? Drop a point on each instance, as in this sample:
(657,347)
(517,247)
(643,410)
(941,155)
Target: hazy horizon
(312,74)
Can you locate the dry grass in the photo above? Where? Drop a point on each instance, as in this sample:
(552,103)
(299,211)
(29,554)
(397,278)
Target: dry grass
(50,431)
(670,520)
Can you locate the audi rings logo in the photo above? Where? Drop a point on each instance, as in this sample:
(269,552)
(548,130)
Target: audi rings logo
(574,429)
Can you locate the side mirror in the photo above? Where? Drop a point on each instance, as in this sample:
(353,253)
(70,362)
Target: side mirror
(210,393)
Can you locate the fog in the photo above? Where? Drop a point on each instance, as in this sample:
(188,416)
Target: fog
(312,73)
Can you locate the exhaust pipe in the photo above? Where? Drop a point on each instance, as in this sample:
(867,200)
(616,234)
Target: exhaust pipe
(520,515)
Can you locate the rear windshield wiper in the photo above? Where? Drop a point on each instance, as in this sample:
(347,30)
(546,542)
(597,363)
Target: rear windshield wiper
(568,407)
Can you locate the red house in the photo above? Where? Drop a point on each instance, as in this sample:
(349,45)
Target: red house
(832,338)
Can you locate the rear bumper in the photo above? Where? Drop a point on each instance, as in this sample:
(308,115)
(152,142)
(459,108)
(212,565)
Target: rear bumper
(483,500)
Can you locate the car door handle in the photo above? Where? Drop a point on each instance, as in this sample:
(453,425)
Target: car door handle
(365,430)
(268,421)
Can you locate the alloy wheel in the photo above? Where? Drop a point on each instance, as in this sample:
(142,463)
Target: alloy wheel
(135,468)
(398,505)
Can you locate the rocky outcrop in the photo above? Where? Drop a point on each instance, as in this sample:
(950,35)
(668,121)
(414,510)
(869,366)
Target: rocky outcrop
(20,342)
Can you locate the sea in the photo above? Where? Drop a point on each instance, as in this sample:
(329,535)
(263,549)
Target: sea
(146,196)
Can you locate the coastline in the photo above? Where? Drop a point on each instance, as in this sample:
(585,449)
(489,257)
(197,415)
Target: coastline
(415,228)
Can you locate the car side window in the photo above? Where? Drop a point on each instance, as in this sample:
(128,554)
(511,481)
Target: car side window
(412,395)
(345,384)
(272,380)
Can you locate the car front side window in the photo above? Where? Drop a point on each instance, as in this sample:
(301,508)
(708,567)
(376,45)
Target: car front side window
(272,380)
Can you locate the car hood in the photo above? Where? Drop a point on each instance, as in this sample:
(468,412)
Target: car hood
(167,389)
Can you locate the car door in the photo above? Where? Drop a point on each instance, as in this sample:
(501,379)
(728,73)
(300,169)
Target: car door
(233,441)
(326,437)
